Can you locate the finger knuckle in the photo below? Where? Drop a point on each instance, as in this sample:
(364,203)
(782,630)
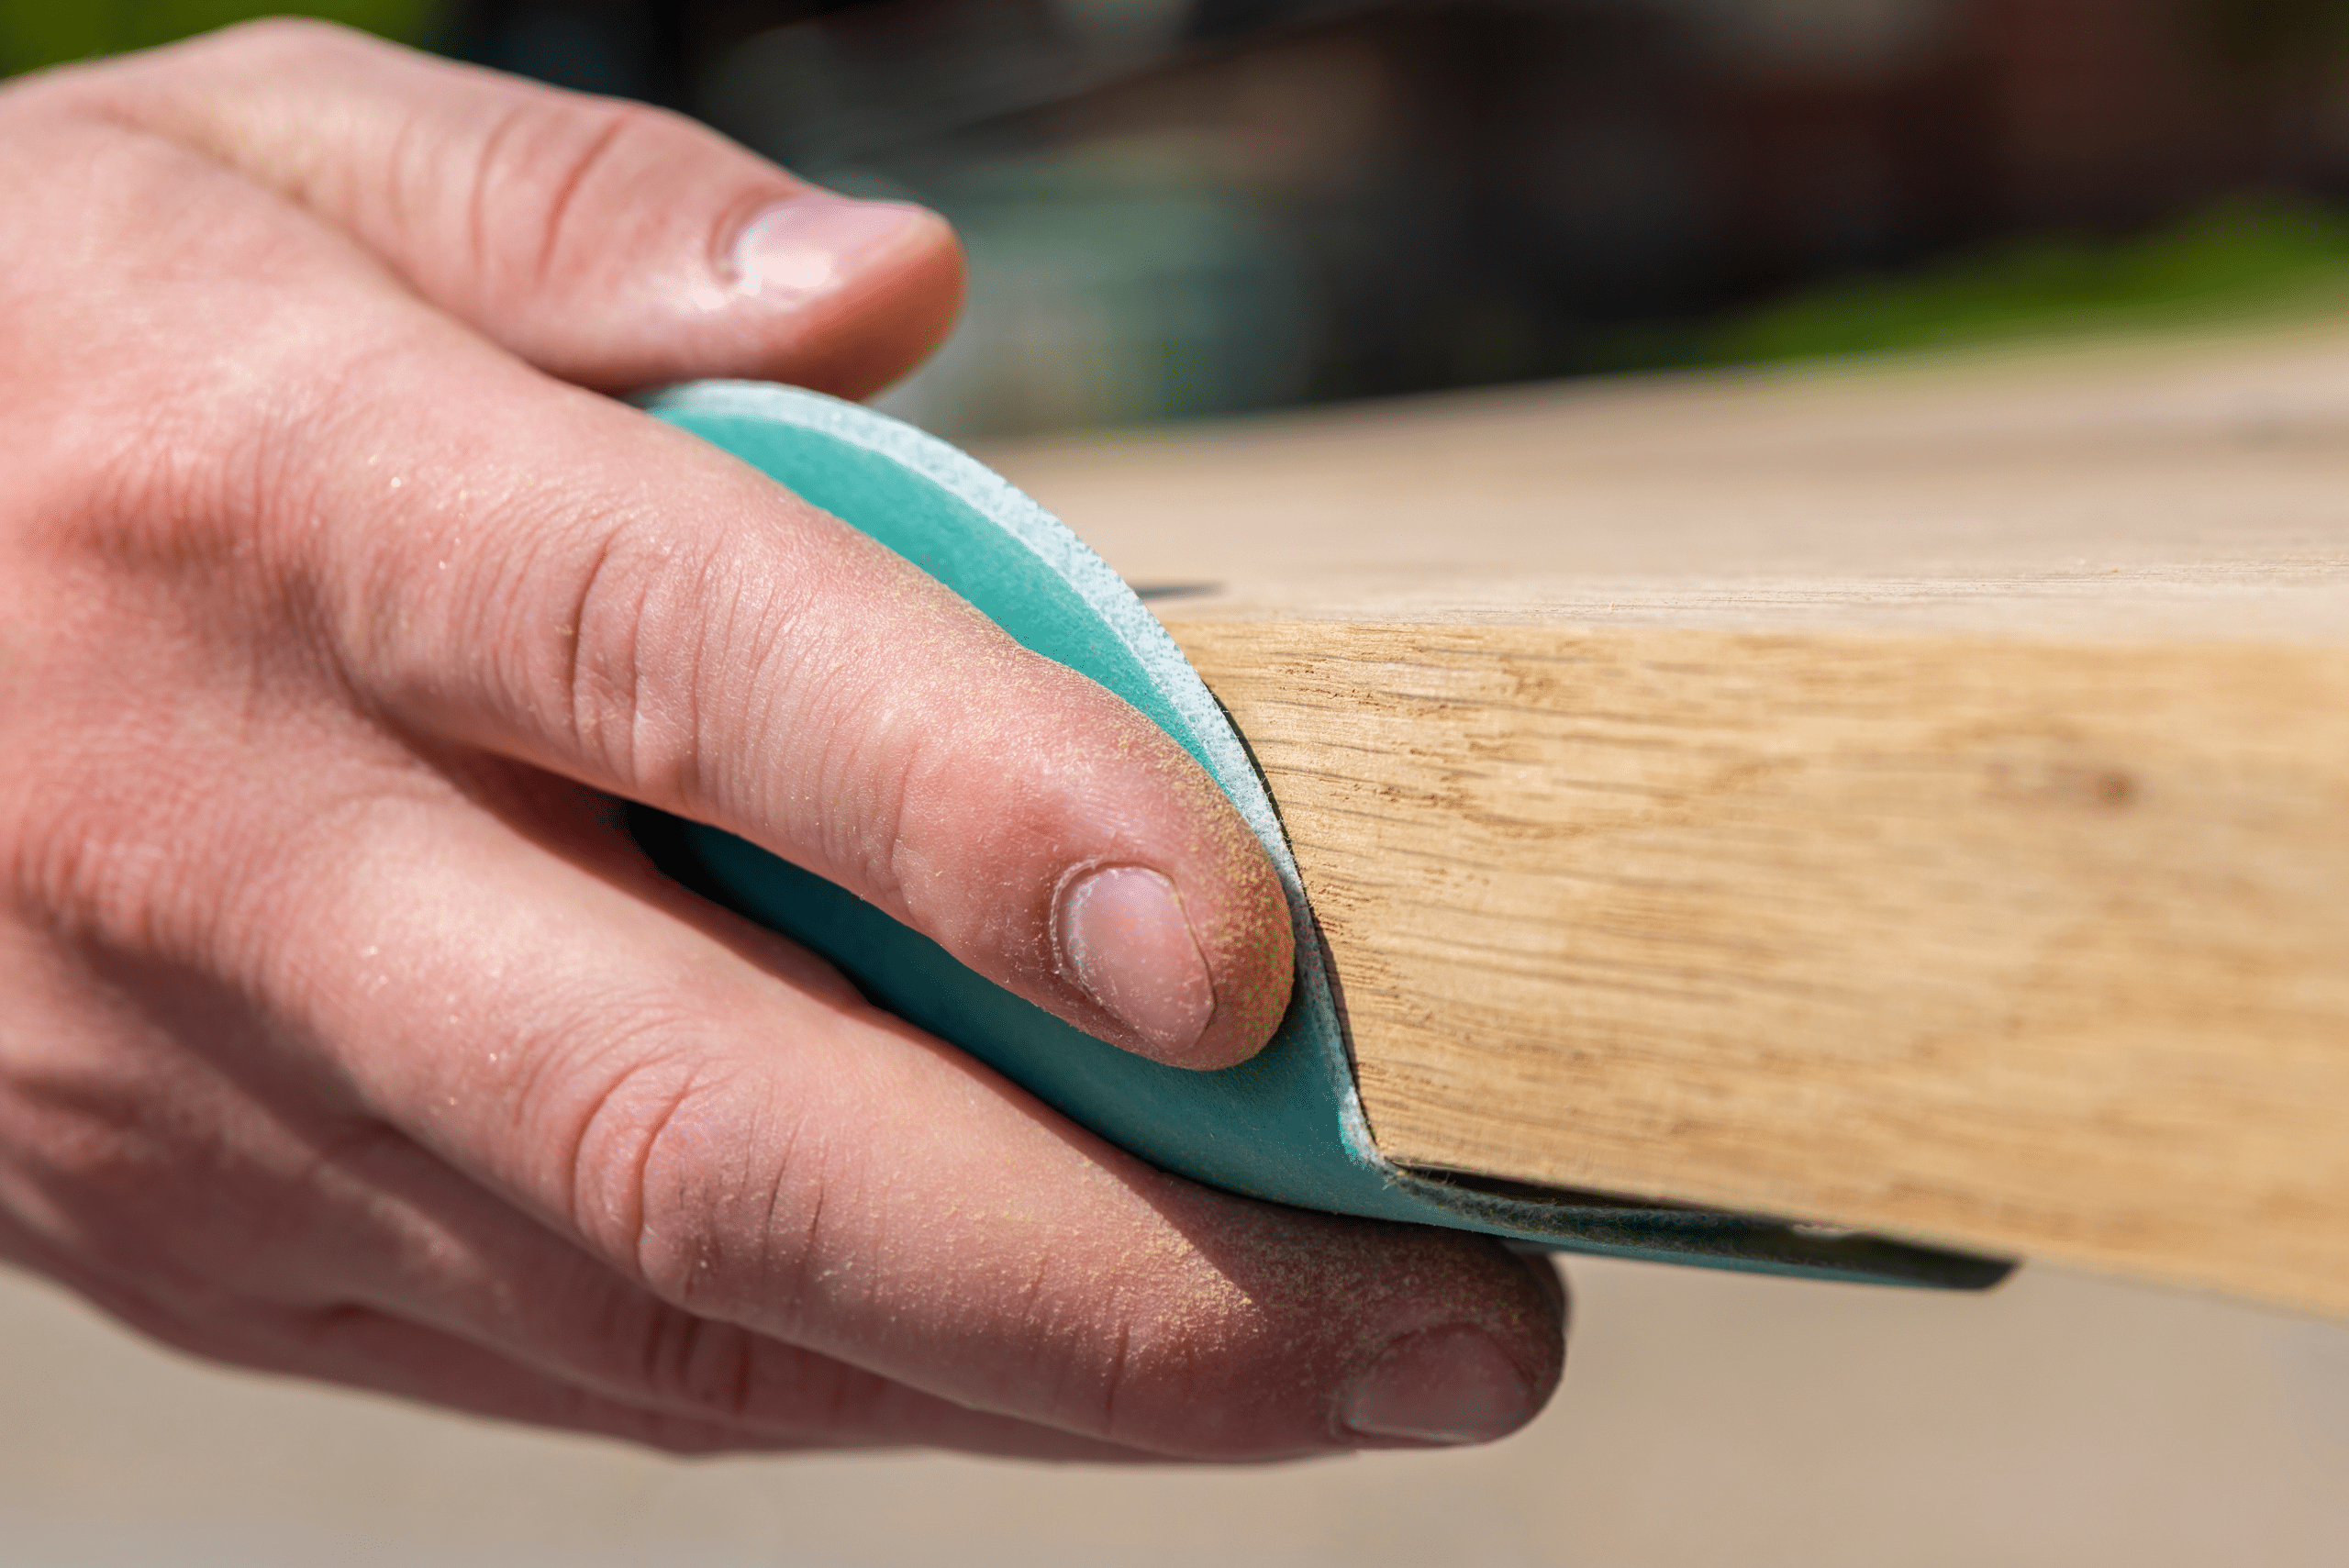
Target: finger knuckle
(616,1145)
(727,1375)
(636,593)
(874,770)
(555,184)
(664,1167)
(686,1362)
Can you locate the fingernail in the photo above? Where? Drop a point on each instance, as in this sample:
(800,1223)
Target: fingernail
(1124,939)
(813,244)
(1452,1384)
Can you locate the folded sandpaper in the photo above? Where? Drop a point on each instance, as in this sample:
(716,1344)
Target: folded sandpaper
(1286,1125)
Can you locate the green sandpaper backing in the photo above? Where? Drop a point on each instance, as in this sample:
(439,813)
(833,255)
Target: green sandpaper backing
(1286,1125)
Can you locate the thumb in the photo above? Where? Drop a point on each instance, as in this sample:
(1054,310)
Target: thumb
(610,244)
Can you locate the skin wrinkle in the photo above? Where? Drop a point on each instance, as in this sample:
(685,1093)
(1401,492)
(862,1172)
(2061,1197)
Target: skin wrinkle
(765,730)
(660,606)
(538,1097)
(1114,1375)
(792,1268)
(763,658)
(871,772)
(902,868)
(626,1330)
(851,742)
(619,1217)
(684,1436)
(586,676)
(616,122)
(840,1394)
(667,1224)
(495,621)
(676,1347)
(413,623)
(700,669)
(407,162)
(485,162)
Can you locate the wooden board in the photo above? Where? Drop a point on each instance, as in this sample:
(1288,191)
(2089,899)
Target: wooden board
(1911,797)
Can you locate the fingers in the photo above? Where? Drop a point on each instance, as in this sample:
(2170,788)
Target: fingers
(475,552)
(649,617)
(609,243)
(821,1175)
(329,1245)
(426,1261)
(360,1347)
(363,1349)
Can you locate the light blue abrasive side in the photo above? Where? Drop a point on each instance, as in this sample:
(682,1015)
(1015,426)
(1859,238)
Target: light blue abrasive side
(1287,1125)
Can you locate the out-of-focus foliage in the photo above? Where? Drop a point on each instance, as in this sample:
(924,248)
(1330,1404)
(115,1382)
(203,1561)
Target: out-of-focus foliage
(2267,34)
(35,33)
(1178,208)
(2241,261)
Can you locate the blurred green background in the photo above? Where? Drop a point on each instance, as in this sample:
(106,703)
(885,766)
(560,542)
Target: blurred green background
(33,34)
(1182,208)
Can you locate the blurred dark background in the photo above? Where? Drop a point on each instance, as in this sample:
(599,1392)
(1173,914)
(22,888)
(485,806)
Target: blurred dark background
(1191,207)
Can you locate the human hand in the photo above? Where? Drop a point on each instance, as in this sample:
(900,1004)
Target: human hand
(344,1033)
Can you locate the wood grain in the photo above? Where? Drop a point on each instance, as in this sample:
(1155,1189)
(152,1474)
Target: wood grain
(1957,847)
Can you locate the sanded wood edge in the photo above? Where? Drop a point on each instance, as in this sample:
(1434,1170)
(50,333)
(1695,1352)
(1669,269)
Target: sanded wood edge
(2017,946)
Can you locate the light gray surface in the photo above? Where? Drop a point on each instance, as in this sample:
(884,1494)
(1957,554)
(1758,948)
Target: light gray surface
(1705,1419)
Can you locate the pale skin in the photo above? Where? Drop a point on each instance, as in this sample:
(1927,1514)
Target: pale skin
(344,1033)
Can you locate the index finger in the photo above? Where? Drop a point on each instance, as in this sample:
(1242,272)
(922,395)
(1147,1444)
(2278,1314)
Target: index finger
(563,580)
(523,567)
